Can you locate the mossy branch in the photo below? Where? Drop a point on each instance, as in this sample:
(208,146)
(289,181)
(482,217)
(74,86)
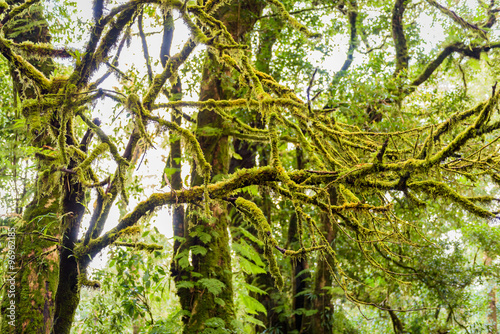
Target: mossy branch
(42,49)
(26,69)
(105,139)
(440,189)
(139,246)
(293,21)
(85,164)
(470,132)
(255,215)
(169,70)
(461,21)
(16,10)
(84,281)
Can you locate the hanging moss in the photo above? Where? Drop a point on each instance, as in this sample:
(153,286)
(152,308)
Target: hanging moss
(255,215)
(440,189)
(295,24)
(139,246)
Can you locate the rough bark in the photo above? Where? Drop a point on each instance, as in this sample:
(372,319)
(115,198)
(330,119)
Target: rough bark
(397,325)
(179,227)
(322,319)
(215,264)
(37,259)
(398,35)
(492,302)
(299,277)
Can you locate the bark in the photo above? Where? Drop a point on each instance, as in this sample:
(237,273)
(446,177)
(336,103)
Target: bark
(397,325)
(200,304)
(68,289)
(398,35)
(299,278)
(37,259)
(322,319)
(179,227)
(492,303)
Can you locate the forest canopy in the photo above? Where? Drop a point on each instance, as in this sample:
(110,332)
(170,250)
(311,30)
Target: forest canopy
(302,199)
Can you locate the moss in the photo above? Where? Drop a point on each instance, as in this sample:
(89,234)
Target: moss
(440,189)
(139,246)
(24,66)
(348,195)
(203,166)
(298,254)
(294,23)
(171,67)
(255,215)
(84,281)
(37,264)
(105,139)
(257,85)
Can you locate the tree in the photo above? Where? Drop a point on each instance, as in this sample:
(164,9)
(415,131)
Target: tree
(345,191)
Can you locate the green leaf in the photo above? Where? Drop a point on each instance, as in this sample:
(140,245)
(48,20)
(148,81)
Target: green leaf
(255,289)
(250,268)
(250,236)
(253,305)
(244,249)
(215,322)
(183,259)
(197,249)
(219,301)
(185,284)
(254,321)
(213,285)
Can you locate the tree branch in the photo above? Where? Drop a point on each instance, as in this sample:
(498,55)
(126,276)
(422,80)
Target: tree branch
(145,46)
(462,22)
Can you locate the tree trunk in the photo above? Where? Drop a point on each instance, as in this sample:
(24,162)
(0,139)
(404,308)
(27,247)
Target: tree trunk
(299,278)
(323,318)
(28,303)
(208,308)
(397,325)
(492,303)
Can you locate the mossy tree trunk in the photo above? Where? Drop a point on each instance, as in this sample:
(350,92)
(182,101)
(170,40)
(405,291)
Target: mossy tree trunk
(321,321)
(492,302)
(205,307)
(300,277)
(36,269)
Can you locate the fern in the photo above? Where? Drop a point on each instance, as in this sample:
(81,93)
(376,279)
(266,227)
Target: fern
(214,286)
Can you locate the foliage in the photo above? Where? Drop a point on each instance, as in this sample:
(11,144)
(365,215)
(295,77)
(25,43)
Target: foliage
(343,186)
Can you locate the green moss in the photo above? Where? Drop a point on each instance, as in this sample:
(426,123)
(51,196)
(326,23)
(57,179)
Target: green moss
(105,139)
(294,23)
(348,195)
(84,281)
(255,215)
(139,246)
(440,189)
